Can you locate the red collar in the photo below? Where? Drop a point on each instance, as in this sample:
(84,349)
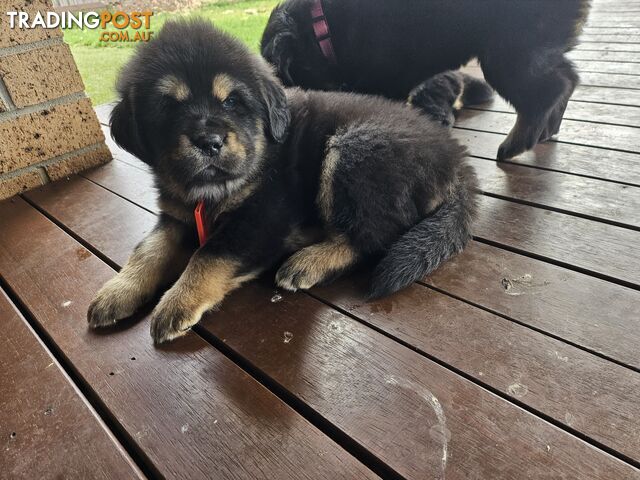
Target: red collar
(201,222)
(322,32)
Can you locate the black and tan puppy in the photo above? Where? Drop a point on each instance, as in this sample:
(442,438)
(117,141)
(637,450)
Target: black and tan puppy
(326,179)
(388,47)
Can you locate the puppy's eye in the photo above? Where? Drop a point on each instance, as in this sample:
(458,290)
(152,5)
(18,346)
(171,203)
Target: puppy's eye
(230,102)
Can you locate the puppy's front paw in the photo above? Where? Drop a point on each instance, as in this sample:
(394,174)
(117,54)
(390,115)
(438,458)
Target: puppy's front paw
(170,320)
(116,300)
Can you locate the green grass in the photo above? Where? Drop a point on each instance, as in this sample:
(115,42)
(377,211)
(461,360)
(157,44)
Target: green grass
(99,62)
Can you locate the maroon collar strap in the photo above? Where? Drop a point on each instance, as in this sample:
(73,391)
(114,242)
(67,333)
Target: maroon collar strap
(322,32)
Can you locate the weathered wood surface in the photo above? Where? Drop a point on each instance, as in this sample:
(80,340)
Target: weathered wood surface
(604,201)
(596,248)
(576,132)
(43,415)
(624,115)
(622,167)
(190,410)
(333,334)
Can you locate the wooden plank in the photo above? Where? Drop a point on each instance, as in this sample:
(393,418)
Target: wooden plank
(126,180)
(583,244)
(547,374)
(192,411)
(631,69)
(364,368)
(580,111)
(342,370)
(605,201)
(617,38)
(605,56)
(586,311)
(571,131)
(616,96)
(44,418)
(610,80)
(561,157)
(609,47)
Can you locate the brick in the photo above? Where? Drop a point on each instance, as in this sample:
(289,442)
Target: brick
(9,186)
(10,37)
(78,163)
(39,75)
(39,136)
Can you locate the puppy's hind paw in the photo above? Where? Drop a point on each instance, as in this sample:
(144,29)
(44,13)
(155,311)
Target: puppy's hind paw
(293,276)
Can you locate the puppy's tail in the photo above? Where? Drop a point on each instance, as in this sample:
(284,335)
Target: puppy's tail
(476,91)
(429,243)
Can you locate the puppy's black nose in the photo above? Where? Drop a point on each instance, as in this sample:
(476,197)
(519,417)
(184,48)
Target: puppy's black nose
(211,144)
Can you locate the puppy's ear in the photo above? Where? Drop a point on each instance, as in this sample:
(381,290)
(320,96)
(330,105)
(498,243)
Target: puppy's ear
(279,52)
(277,108)
(278,43)
(124,128)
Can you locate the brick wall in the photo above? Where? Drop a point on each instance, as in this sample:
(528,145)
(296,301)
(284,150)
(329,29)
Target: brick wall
(48,129)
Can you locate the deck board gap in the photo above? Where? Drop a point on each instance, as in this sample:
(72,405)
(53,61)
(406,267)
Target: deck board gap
(558,263)
(542,206)
(484,385)
(137,455)
(359,452)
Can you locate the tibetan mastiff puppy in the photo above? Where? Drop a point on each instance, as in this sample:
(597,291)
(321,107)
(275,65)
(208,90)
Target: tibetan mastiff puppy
(311,182)
(388,47)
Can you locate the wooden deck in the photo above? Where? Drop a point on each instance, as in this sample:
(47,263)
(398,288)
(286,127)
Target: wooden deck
(518,359)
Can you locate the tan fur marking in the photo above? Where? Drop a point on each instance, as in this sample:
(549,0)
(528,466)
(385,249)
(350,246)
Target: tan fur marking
(222,86)
(237,198)
(434,203)
(325,192)
(236,147)
(174,87)
(176,210)
(458,104)
(260,141)
(202,286)
(315,263)
(157,261)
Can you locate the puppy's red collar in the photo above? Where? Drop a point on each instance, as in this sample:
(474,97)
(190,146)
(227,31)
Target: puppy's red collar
(201,224)
(322,32)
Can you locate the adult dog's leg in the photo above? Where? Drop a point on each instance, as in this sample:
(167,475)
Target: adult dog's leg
(317,264)
(555,117)
(156,262)
(537,85)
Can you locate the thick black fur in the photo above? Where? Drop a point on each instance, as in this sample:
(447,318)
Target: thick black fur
(386,47)
(400,188)
(442,96)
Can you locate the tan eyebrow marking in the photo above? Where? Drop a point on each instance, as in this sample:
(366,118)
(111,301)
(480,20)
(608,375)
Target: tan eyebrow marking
(222,86)
(174,87)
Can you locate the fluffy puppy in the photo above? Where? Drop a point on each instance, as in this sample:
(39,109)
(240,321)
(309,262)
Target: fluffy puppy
(384,47)
(323,180)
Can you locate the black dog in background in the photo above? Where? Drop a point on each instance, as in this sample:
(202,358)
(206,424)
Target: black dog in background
(321,180)
(388,47)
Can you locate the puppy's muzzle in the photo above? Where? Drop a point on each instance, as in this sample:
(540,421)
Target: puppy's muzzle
(209,143)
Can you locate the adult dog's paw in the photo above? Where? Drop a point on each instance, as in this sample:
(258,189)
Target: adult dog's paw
(116,300)
(170,320)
